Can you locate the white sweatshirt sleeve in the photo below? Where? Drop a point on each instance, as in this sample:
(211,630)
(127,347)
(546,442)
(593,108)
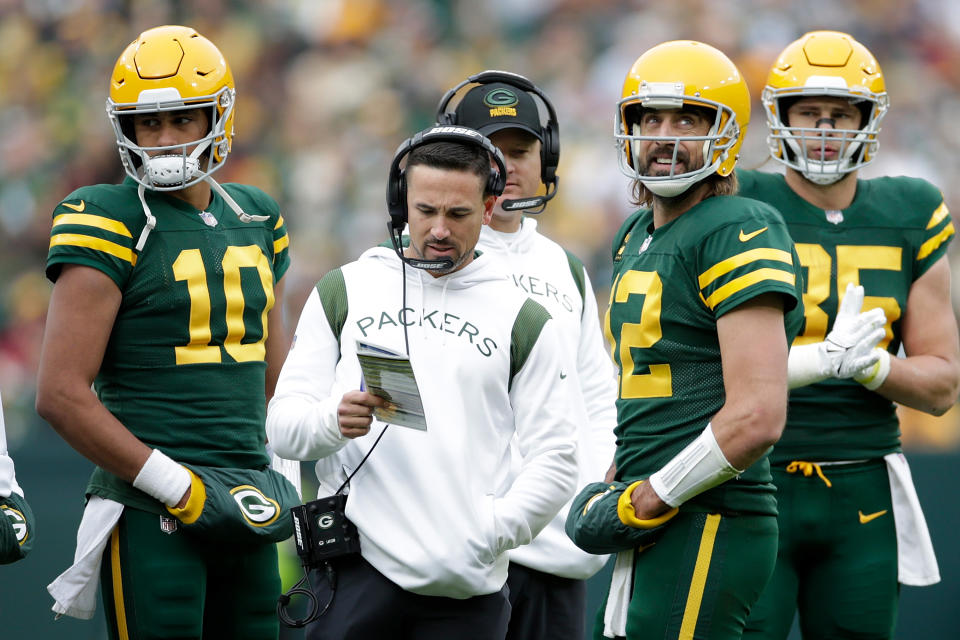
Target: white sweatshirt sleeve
(547,439)
(302,416)
(598,385)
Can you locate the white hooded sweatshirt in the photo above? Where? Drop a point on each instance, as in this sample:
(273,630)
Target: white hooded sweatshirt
(542,269)
(436,510)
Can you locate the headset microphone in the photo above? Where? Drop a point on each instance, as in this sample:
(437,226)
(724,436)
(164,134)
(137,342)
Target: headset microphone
(538,202)
(441,264)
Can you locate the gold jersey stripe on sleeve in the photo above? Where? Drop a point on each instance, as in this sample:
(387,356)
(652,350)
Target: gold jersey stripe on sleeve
(744,281)
(281,243)
(279,223)
(939,214)
(931,245)
(90,220)
(98,244)
(728,265)
(698,582)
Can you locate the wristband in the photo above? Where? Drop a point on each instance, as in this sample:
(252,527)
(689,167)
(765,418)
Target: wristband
(806,364)
(162,478)
(877,374)
(700,466)
(628,515)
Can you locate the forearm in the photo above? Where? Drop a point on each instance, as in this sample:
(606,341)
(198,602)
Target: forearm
(545,483)
(745,432)
(87,426)
(927,383)
(300,428)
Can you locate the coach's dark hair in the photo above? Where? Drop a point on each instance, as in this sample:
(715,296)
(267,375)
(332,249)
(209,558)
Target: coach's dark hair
(453,156)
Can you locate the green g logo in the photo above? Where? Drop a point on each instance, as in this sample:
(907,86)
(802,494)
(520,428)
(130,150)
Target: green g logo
(257,509)
(501,98)
(18,522)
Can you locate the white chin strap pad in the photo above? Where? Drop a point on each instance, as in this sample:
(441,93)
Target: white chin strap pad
(670,188)
(170,169)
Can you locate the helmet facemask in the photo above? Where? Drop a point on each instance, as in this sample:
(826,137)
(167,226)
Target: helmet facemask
(722,136)
(789,145)
(176,166)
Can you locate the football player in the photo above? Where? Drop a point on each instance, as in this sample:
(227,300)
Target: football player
(167,299)
(704,302)
(547,578)
(851,529)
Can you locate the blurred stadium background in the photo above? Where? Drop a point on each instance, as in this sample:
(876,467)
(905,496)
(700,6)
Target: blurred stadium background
(327,89)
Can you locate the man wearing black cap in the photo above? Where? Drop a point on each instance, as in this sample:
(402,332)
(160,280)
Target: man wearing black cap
(546,577)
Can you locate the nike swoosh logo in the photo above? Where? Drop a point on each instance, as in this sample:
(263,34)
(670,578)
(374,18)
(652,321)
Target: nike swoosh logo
(864,519)
(76,207)
(750,236)
(563,376)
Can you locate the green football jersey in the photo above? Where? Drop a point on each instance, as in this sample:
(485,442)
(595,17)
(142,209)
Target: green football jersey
(894,230)
(184,368)
(670,285)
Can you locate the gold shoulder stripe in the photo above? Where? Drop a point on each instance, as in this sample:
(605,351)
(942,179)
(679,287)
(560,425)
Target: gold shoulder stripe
(939,214)
(279,223)
(738,284)
(98,244)
(281,243)
(90,220)
(931,245)
(728,265)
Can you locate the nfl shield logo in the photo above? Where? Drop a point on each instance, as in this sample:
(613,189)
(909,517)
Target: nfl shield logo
(834,216)
(208,219)
(168,525)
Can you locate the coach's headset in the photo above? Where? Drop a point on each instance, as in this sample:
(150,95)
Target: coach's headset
(397,182)
(549,133)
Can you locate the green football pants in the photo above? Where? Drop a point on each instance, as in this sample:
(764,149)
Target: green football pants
(837,562)
(158,583)
(700,579)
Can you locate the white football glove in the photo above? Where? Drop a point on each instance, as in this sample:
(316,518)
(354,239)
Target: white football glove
(851,344)
(848,350)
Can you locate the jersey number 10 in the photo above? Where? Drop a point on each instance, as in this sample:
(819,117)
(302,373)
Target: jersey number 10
(189,267)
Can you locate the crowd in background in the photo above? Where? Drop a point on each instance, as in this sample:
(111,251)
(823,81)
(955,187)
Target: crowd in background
(327,89)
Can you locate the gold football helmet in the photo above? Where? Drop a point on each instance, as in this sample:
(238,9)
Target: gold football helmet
(166,69)
(668,76)
(833,64)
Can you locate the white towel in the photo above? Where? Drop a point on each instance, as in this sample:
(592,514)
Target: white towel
(916,561)
(75,590)
(289,469)
(618,600)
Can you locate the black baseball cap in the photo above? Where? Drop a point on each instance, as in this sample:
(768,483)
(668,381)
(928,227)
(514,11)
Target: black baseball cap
(488,108)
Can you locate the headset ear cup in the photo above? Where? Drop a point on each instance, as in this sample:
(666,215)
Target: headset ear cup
(549,154)
(401,220)
(493,181)
(397,199)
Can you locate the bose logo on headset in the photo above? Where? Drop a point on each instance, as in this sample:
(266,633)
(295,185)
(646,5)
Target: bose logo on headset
(463,131)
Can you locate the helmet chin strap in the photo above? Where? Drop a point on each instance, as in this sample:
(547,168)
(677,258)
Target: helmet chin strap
(173,166)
